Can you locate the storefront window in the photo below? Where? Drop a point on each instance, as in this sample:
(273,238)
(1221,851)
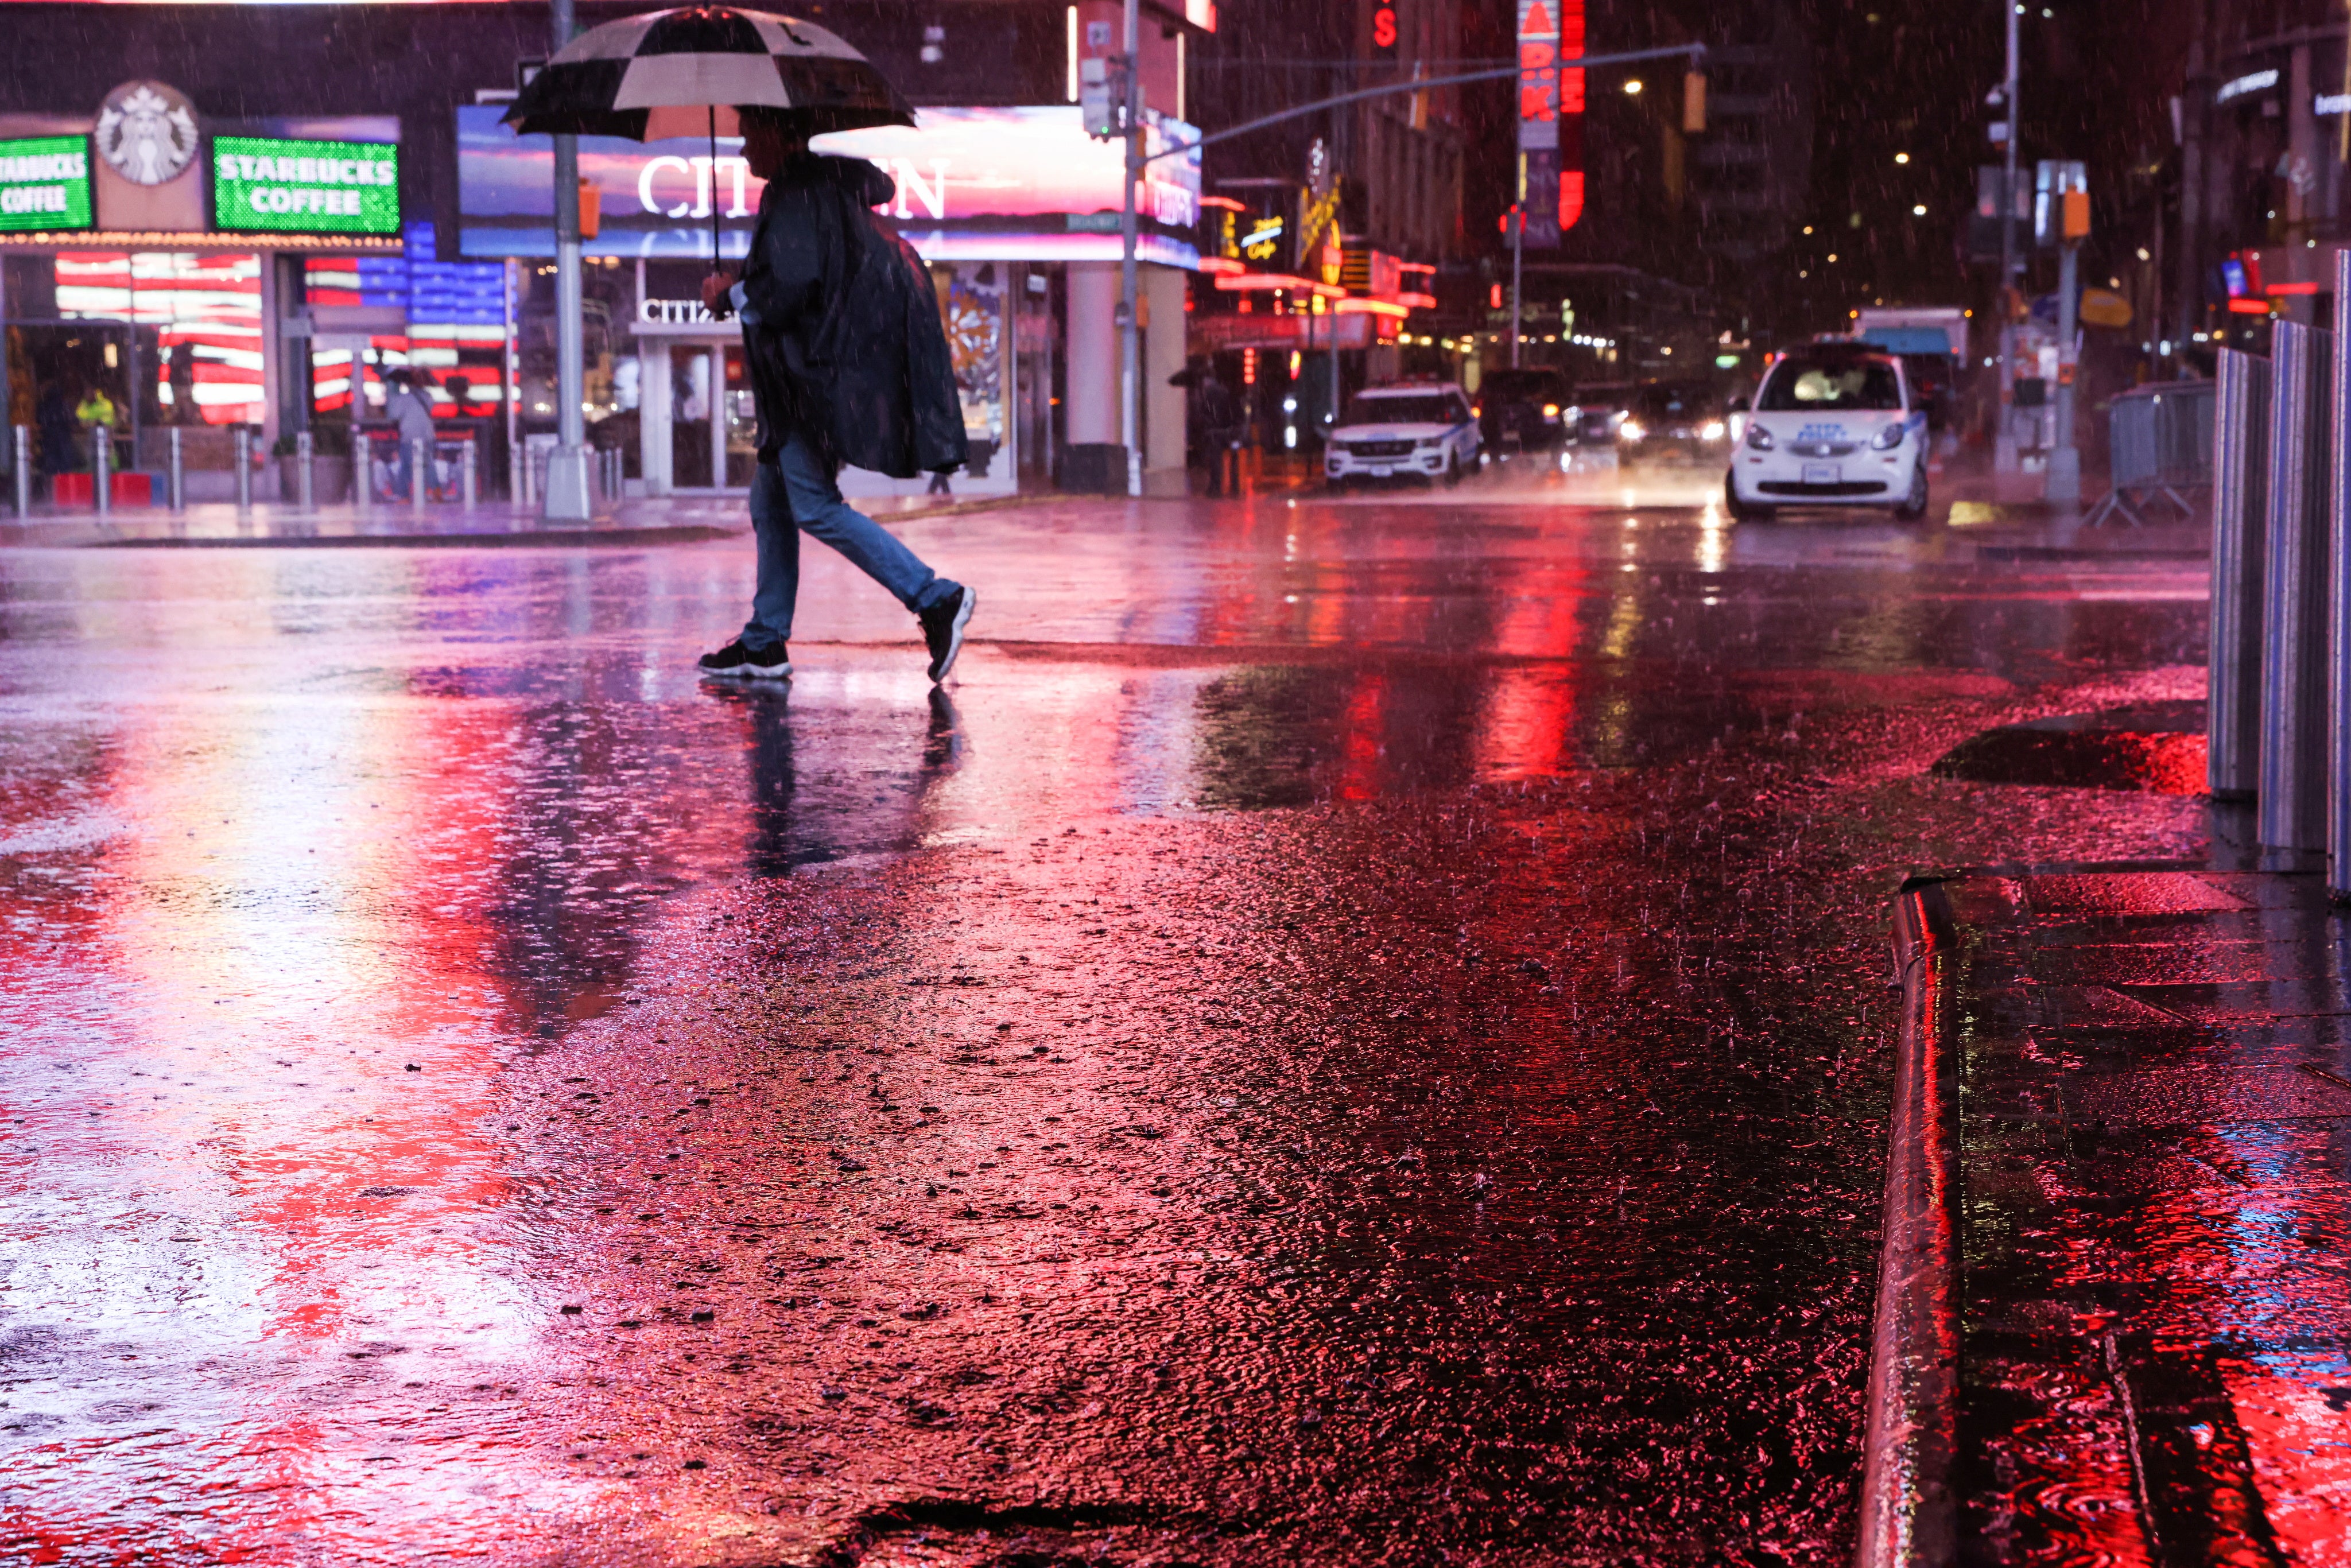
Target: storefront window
(198,318)
(971,299)
(456,337)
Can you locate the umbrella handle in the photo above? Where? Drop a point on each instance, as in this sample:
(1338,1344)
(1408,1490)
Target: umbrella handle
(717,259)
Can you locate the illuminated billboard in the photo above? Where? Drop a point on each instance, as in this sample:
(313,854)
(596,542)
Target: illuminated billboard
(269,184)
(973,184)
(45,183)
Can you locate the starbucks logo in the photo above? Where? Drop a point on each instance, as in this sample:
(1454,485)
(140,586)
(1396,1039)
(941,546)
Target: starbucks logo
(147,132)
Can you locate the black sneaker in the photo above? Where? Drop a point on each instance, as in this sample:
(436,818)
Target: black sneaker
(942,625)
(734,662)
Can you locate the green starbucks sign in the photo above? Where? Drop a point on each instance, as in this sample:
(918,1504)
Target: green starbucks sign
(267,184)
(45,183)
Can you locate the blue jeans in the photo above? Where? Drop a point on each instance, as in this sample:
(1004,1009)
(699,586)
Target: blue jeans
(796,494)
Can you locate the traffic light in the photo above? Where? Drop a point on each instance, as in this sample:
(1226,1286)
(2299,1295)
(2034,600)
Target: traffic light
(1693,102)
(1101,95)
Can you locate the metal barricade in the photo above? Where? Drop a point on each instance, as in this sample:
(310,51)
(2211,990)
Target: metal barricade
(2239,525)
(2160,440)
(2291,814)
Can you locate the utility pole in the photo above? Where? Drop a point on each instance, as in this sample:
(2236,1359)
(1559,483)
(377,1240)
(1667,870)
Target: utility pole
(2003,445)
(566,497)
(2063,484)
(1130,338)
(1518,270)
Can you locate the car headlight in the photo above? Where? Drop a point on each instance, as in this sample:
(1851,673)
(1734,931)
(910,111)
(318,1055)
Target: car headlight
(1759,438)
(1631,430)
(1712,430)
(1887,440)
(1550,411)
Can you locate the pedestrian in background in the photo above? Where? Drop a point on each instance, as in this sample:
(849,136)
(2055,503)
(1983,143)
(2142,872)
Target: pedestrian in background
(60,453)
(848,363)
(410,409)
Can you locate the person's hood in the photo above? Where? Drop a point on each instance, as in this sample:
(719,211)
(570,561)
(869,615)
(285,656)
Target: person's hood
(868,184)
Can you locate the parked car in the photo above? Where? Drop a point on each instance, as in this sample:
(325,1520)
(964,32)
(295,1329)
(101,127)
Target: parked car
(1531,409)
(1421,428)
(1674,421)
(1833,425)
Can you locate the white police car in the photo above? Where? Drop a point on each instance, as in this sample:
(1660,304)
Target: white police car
(1423,428)
(1834,424)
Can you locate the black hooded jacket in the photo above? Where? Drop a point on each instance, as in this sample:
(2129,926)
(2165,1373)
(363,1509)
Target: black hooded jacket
(840,326)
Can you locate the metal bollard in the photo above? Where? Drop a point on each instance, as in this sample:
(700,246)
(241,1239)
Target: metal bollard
(242,443)
(305,474)
(2291,813)
(23,442)
(175,475)
(468,476)
(102,469)
(2239,503)
(362,472)
(517,477)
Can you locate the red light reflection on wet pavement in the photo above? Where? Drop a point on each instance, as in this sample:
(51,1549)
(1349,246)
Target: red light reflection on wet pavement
(1355,1034)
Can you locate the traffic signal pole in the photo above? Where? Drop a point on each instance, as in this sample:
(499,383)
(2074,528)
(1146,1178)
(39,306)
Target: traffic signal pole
(566,497)
(1130,340)
(2003,442)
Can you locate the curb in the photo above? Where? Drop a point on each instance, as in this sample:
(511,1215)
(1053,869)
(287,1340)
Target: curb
(1908,1514)
(557,538)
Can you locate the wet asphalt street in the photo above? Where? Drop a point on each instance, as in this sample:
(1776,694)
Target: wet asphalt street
(1356,1032)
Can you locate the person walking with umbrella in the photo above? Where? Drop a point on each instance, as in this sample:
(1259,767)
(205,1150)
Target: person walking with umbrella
(842,335)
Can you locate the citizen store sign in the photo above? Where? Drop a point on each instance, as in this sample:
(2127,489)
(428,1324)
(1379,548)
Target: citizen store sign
(143,163)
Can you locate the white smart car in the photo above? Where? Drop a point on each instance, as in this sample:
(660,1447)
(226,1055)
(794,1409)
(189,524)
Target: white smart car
(1423,428)
(1834,424)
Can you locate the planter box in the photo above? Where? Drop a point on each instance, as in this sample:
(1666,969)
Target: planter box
(77,490)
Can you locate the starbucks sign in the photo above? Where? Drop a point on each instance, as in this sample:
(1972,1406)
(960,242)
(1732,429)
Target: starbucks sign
(272,184)
(146,131)
(45,184)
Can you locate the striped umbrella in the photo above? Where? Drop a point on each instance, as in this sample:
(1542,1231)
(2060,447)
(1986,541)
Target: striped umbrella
(677,73)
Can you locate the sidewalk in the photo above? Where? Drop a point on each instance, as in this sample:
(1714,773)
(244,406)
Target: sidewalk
(2120,1206)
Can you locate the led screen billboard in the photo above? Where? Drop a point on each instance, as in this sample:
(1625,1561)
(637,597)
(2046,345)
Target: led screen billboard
(45,183)
(269,184)
(1011,183)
